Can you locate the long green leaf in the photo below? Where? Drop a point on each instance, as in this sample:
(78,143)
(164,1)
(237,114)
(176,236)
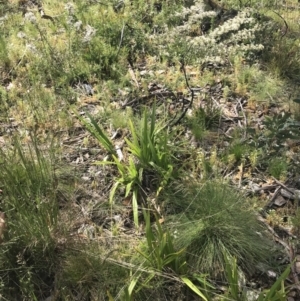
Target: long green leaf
(145,256)
(147,138)
(232,277)
(134,149)
(153,120)
(128,188)
(121,166)
(98,133)
(105,163)
(193,287)
(101,134)
(135,208)
(110,297)
(276,286)
(113,192)
(172,257)
(133,133)
(149,233)
(147,280)
(132,284)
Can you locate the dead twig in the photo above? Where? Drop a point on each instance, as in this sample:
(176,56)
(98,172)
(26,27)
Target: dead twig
(132,74)
(286,25)
(44,16)
(192,93)
(267,187)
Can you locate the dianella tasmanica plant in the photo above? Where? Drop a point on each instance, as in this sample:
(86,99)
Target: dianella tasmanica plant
(162,257)
(149,165)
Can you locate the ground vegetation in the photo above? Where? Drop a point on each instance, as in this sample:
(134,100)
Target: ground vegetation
(149,150)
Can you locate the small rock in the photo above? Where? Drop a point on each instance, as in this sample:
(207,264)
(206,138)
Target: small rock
(280,201)
(30,17)
(292,294)
(117,218)
(98,173)
(89,33)
(21,35)
(69,7)
(271,274)
(252,295)
(88,89)
(31,48)
(297,264)
(10,86)
(287,194)
(78,25)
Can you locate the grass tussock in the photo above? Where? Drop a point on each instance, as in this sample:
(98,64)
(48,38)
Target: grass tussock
(30,202)
(215,219)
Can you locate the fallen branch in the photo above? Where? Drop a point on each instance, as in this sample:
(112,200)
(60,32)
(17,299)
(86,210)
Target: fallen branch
(284,186)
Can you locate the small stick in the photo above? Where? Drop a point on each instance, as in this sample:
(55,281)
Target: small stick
(273,197)
(245,117)
(44,16)
(190,89)
(241,168)
(121,40)
(267,187)
(2,225)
